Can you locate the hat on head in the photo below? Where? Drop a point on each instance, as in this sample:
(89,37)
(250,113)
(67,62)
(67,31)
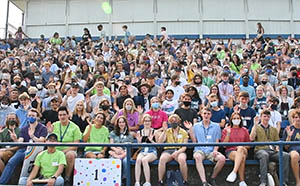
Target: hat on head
(75,85)
(204,68)
(52,135)
(55,98)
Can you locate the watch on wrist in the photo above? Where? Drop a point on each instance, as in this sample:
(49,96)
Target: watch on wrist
(53,177)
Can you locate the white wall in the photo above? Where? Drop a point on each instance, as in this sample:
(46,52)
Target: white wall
(181,17)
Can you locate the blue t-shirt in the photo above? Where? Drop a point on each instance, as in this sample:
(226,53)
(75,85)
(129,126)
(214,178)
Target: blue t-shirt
(248,116)
(206,135)
(217,116)
(295,137)
(40,131)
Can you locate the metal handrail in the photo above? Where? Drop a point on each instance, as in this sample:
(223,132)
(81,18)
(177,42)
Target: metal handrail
(129,146)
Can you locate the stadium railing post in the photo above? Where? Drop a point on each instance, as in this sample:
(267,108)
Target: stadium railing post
(128,156)
(281,163)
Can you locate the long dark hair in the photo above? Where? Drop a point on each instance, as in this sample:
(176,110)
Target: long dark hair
(218,94)
(117,128)
(196,94)
(104,117)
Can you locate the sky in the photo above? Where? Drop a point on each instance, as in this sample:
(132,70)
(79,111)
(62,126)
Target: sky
(15,17)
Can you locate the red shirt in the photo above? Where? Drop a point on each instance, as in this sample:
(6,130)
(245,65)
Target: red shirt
(157,118)
(236,135)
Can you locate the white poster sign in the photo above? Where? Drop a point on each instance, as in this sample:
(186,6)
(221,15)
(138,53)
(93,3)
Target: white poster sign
(92,172)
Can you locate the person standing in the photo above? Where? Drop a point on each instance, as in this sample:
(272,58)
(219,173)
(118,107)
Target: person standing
(102,37)
(127,34)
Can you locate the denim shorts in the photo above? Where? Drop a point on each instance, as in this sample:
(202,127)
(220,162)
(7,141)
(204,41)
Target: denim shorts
(146,151)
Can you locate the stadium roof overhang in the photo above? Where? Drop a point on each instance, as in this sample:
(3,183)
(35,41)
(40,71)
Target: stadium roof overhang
(21,4)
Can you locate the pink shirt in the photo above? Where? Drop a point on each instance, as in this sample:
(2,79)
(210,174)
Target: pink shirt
(236,135)
(157,118)
(133,119)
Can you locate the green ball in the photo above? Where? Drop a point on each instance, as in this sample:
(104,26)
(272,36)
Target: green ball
(106,7)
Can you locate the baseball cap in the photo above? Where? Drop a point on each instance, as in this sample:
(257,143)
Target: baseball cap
(52,136)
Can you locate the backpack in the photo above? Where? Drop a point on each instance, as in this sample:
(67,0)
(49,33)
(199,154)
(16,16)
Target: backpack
(174,178)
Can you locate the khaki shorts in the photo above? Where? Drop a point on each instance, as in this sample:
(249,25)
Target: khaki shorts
(6,155)
(207,156)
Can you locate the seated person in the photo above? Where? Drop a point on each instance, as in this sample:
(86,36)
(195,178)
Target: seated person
(50,163)
(120,135)
(203,132)
(10,133)
(235,132)
(175,134)
(96,132)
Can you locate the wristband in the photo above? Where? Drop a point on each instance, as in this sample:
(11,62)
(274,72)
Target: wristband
(53,177)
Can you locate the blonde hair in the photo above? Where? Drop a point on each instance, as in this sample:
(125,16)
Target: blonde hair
(133,109)
(174,116)
(83,112)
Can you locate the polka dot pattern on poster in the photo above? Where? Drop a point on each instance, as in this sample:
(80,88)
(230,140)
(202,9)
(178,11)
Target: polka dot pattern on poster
(104,172)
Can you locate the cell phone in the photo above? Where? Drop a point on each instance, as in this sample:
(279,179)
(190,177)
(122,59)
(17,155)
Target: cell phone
(112,87)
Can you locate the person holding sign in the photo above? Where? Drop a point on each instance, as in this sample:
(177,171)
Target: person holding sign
(67,132)
(263,132)
(32,132)
(50,163)
(96,133)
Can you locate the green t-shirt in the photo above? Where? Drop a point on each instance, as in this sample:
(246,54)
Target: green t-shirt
(56,41)
(5,135)
(96,136)
(67,134)
(106,91)
(49,163)
(208,81)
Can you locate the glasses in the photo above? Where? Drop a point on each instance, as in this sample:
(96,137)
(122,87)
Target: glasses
(147,120)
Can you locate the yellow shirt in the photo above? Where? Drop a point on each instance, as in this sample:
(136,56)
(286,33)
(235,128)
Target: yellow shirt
(180,138)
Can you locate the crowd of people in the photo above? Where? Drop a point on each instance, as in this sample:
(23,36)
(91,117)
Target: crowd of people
(158,90)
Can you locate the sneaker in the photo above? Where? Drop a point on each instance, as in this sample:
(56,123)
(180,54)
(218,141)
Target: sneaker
(263,184)
(242,183)
(231,177)
(206,184)
(185,183)
(137,184)
(160,183)
(147,184)
(213,182)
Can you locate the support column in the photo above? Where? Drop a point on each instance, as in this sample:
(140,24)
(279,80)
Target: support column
(200,11)
(110,33)
(291,8)
(246,10)
(6,22)
(155,26)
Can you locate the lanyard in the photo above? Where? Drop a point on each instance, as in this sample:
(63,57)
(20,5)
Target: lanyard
(62,136)
(267,132)
(206,132)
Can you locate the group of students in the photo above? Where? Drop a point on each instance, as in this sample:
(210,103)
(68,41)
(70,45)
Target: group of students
(151,91)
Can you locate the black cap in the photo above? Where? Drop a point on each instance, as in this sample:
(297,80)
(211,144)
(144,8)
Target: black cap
(53,136)
(55,98)
(75,85)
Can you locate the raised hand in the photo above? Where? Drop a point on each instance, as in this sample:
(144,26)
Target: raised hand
(256,120)
(187,124)
(13,135)
(140,109)
(49,127)
(138,137)
(289,131)
(236,108)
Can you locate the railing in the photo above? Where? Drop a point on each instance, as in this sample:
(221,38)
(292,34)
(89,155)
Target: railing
(129,146)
